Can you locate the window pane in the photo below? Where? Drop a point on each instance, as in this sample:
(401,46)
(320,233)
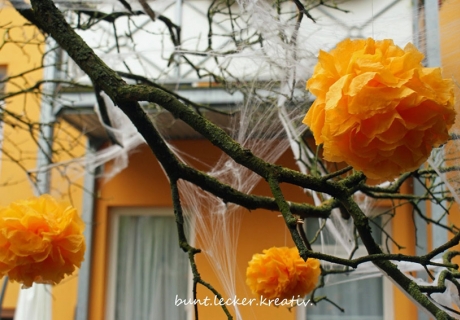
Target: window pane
(2,83)
(362,300)
(151,269)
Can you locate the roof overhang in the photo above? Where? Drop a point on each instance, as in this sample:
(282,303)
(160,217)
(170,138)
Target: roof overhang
(77,109)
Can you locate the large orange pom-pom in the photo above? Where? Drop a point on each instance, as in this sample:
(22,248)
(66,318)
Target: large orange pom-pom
(41,240)
(377,108)
(281,273)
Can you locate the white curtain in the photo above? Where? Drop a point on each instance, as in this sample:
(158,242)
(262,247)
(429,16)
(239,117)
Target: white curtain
(361,299)
(34,303)
(151,269)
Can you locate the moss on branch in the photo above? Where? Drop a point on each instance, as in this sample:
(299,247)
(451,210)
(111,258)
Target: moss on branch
(127,97)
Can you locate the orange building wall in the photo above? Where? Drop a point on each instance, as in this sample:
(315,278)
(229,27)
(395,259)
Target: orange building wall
(18,58)
(144,184)
(13,185)
(449,16)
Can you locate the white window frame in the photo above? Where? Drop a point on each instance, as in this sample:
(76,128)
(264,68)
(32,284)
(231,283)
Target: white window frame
(388,301)
(3,74)
(114,217)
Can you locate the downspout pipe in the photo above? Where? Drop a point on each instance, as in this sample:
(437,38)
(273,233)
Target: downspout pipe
(84,275)
(433,59)
(47,118)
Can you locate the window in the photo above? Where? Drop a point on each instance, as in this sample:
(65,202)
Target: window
(361,300)
(2,106)
(147,267)
(365,299)
(2,97)
(2,80)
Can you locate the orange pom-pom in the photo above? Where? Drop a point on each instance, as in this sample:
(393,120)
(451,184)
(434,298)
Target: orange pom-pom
(377,108)
(281,273)
(41,240)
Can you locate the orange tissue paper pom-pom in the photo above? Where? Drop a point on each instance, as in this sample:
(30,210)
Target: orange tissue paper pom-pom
(41,240)
(377,108)
(281,273)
